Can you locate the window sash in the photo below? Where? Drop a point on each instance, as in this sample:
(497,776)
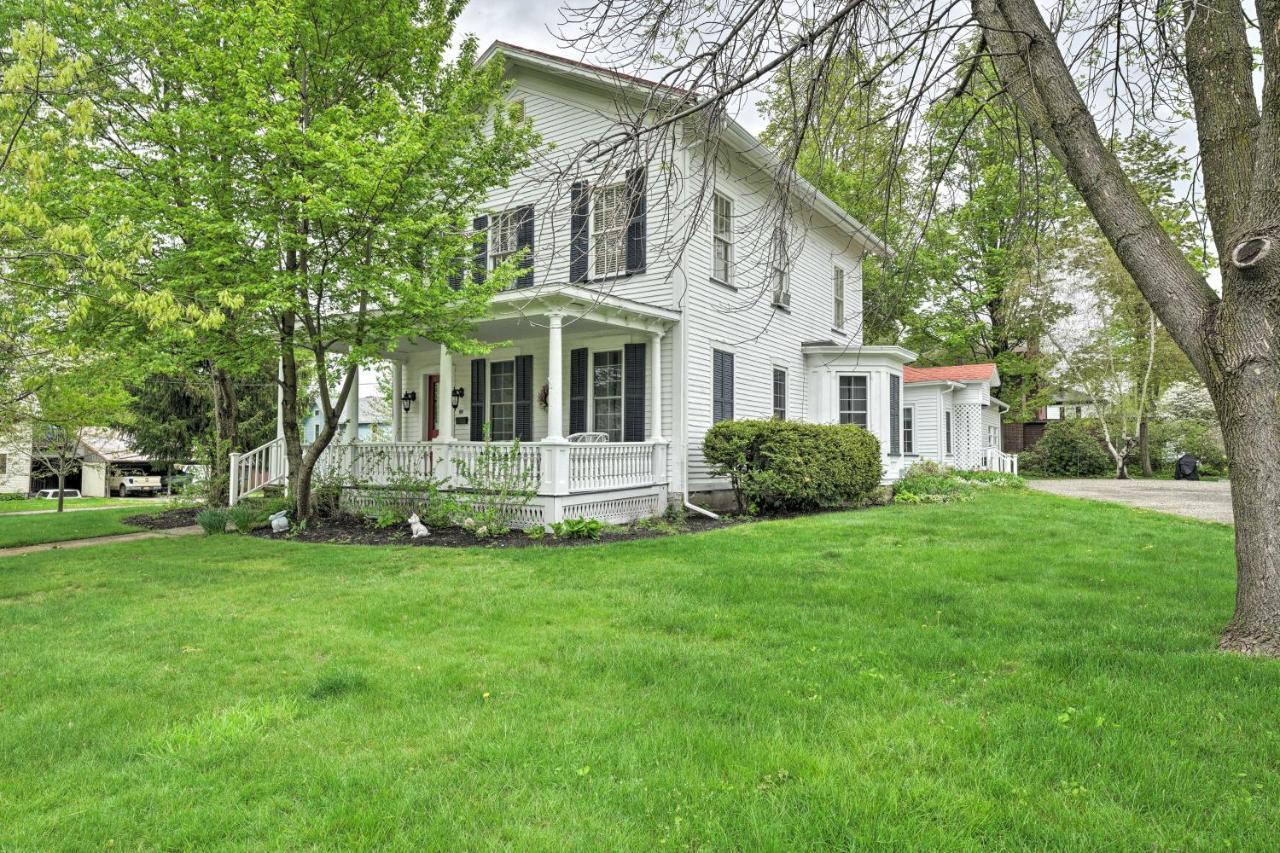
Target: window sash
(779,394)
(609,230)
(947,418)
(504,237)
(502,400)
(908,429)
(722,231)
(853,400)
(606,393)
(838,299)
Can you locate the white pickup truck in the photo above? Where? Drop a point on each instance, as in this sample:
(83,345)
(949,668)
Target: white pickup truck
(125,483)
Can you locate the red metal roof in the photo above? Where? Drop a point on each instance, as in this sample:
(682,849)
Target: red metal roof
(955,373)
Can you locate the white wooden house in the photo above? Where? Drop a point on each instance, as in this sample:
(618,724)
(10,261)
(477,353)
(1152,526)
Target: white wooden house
(650,309)
(951,415)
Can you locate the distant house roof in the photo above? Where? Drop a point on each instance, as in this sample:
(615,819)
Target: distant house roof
(110,446)
(955,373)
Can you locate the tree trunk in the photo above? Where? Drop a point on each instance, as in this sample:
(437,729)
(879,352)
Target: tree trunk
(1251,432)
(62,483)
(1144,448)
(226,418)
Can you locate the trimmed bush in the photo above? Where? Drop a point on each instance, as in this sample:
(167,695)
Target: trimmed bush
(784,465)
(1067,449)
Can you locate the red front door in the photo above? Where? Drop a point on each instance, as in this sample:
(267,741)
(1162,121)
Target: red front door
(433,407)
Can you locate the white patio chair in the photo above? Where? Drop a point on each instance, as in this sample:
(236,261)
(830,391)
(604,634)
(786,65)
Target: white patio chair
(589,438)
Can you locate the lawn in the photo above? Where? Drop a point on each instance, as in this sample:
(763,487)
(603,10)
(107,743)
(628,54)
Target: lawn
(60,526)
(1018,671)
(29,504)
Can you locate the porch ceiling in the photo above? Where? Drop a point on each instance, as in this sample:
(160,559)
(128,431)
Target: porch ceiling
(522,313)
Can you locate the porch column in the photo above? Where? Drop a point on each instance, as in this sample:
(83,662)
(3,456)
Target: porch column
(280,398)
(655,368)
(397,388)
(555,372)
(444,405)
(353,410)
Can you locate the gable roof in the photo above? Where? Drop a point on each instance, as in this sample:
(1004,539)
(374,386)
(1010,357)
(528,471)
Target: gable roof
(955,373)
(751,148)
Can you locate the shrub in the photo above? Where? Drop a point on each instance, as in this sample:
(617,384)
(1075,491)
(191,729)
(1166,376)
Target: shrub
(577,528)
(245,516)
(785,465)
(928,482)
(12,496)
(1067,449)
(500,488)
(212,520)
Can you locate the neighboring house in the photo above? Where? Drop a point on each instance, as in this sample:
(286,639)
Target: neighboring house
(650,309)
(951,415)
(15,462)
(1065,405)
(375,421)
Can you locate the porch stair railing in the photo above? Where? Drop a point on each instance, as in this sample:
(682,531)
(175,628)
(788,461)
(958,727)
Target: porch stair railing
(257,469)
(994,459)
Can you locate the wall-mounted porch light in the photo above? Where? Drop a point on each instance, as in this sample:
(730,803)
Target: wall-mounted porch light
(456,397)
(406,400)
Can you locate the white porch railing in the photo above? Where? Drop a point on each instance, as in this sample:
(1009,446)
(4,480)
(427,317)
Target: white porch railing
(256,470)
(994,459)
(557,468)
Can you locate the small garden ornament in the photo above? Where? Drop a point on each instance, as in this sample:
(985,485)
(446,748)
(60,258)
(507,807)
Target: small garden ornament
(279,521)
(419,529)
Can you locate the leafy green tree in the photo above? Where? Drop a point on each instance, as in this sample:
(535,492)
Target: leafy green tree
(309,169)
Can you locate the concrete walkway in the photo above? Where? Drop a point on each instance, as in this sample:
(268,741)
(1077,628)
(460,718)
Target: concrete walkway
(99,540)
(1192,498)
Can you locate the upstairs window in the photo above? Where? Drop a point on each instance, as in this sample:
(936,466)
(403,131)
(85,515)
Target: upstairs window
(853,400)
(504,236)
(837,287)
(722,252)
(779,394)
(609,230)
(780,274)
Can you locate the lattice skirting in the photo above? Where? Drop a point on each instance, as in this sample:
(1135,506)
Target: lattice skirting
(621,506)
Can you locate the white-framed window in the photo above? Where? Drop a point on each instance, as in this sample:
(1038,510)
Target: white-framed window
(908,430)
(609,230)
(780,274)
(993,436)
(504,236)
(606,393)
(779,394)
(853,400)
(947,429)
(502,400)
(837,298)
(722,239)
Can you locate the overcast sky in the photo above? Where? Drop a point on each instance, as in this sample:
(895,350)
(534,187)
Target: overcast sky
(533,23)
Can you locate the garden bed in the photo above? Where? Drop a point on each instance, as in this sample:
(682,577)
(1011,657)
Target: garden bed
(356,530)
(167,520)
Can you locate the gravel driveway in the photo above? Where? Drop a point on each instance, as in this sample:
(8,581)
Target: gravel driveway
(1195,499)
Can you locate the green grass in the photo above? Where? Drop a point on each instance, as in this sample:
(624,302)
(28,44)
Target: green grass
(29,504)
(59,527)
(1017,671)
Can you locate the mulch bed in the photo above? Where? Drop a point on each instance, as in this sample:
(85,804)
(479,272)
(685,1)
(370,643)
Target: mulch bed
(352,530)
(167,520)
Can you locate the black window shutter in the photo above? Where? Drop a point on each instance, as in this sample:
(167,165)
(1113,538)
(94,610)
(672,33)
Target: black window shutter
(633,391)
(455,273)
(721,386)
(579,201)
(578,390)
(524,240)
(637,224)
(524,397)
(895,414)
(477,399)
(480,234)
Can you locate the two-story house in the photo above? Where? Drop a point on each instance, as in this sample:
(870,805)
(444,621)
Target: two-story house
(652,306)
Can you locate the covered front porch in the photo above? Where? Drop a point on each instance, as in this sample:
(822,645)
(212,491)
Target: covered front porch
(577,378)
